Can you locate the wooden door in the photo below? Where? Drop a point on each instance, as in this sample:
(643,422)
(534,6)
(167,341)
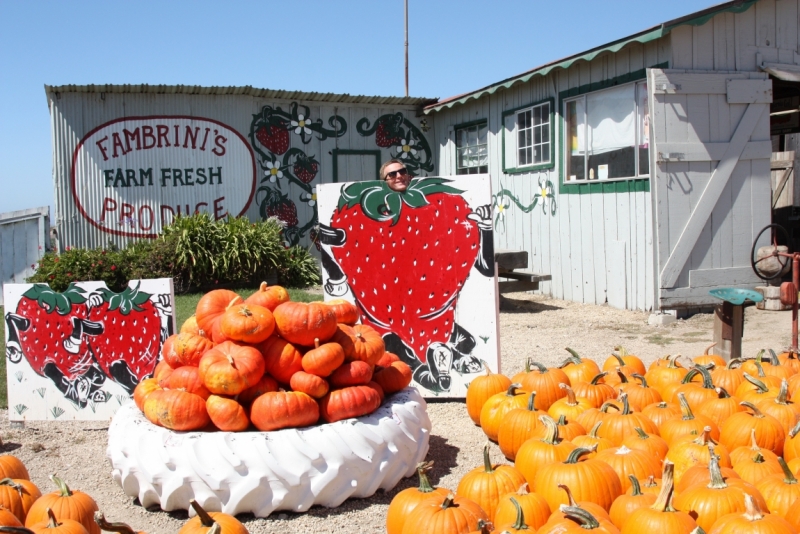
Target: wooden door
(711,187)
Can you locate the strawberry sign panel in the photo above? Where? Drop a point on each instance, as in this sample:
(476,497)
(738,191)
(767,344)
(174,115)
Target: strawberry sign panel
(133,175)
(80,354)
(419,264)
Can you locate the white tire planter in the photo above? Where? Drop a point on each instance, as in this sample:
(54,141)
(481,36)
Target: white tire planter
(261,472)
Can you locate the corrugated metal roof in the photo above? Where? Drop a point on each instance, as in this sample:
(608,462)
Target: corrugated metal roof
(246,90)
(695,19)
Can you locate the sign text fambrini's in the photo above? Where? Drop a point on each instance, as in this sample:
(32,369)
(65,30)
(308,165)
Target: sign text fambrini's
(133,175)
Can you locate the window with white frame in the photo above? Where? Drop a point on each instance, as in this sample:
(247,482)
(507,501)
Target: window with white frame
(528,137)
(472,150)
(607,134)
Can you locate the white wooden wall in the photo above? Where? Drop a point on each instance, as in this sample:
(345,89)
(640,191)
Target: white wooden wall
(23,241)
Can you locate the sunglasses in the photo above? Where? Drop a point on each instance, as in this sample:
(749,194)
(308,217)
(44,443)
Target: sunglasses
(396,174)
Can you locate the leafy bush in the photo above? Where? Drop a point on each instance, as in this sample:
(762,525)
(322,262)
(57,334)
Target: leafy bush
(196,251)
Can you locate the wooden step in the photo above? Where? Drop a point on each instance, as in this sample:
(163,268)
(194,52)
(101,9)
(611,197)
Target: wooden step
(525,276)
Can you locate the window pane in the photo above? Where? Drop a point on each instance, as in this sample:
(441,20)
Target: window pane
(471,148)
(537,135)
(575,124)
(611,132)
(644,129)
(545,151)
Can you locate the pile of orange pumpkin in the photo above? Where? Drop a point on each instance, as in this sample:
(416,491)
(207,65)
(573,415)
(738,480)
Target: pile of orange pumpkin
(683,446)
(270,363)
(23,509)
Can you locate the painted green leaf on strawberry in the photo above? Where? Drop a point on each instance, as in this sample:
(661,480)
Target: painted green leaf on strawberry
(381,203)
(126,302)
(53,301)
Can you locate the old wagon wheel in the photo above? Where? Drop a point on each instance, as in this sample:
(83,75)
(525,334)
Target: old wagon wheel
(758,264)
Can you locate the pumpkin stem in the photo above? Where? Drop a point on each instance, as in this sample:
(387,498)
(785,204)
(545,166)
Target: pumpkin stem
(205,519)
(524,489)
(722,393)
(756,412)
(539,367)
(316,342)
(689,375)
(636,489)
(487,463)
(608,404)
(448,501)
(583,517)
(52,517)
(641,379)
(619,359)
(597,378)
(425,485)
(512,389)
(761,373)
(16,530)
(551,430)
(531,401)
(708,382)
(773,358)
(485,527)
(10,482)
(100,519)
(708,348)
(760,386)
(788,476)
(717,480)
(215,529)
(62,486)
(752,510)
(642,433)
(623,378)
(570,497)
(705,437)
(595,428)
(486,367)
(571,400)
(650,482)
(626,407)
(685,408)
(783,393)
(519,524)
(663,501)
(795,429)
(759,458)
(672,361)
(576,454)
(733,364)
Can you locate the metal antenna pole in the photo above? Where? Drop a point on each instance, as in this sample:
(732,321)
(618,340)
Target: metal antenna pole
(406,10)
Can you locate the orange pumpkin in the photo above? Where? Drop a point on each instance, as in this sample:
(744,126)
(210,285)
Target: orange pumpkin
(190,326)
(653,445)
(395,377)
(55,526)
(65,504)
(187,349)
(532,506)
(18,495)
(248,323)
(269,297)
(720,408)
(517,425)
(579,369)
(629,502)
(736,431)
(142,390)
(688,451)
(161,373)
(687,424)
(352,401)
(312,385)
(661,516)
(203,521)
(781,408)
(626,462)
(659,377)
(590,480)
(624,359)
(323,359)
(266,384)
(302,322)
(229,368)
(558,517)
(444,514)
(484,485)
(617,426)
(407,500)
(226,414)
(188,379)
(660,412)
(176,410)
(360,342)
(209,311)
(480,389)
(546,383)
(593,442)
(283,409)
(346,312)
(640,395)
(497,406)
(595,391)
(706,358)
(536,453)
(281,358)
(570,406)
(754,519)
(7,519)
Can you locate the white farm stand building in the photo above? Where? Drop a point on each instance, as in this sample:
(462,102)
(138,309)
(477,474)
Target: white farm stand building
(636,173)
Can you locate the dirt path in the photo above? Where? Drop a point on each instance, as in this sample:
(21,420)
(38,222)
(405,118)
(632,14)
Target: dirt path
(534,326)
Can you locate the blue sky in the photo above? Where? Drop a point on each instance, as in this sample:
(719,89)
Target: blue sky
(341,46)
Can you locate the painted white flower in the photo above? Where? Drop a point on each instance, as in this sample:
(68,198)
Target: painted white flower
(273,171)
(300,125)
(545,193)
(310,198)
(405,149)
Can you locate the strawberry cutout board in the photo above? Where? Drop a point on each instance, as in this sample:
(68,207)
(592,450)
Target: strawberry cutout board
(419,265)
(80,353)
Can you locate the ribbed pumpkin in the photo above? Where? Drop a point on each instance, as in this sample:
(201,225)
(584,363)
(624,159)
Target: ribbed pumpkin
(545,382)
(209,311)
(696,393)
(18,495)
(497,406)
(651,444)
(592,416)
(11,523)
(596,391)
(485,485)
(706,358)
(346,312)
(268,296)
(303,322)
(661,376)
(266,384)
(360,342)
(688,451)
(757,467)
(283,409)
(392,378)
(190,325)
(444,515)
(729,377)
(230,368)
(661,516)
(757,388)
(248,323)
(736,431)
(161,372)
(534,507)
(624,359)
(591,480)
(481,388)
(534,454)
(65,504)
(639,395)
(781,408)
(312,385)
(617,426)
(627,462)
(687,424)
(709,502)
(791,360)
(187,378)
(660,412)
(187,349)
(517,426)
(51,525)
(281,358)
(592,441)
(323,359)
(700,474)
(408,499)
(226,414)
(521,523)
(780,490)
(720,408)
(579,521)
(570,406)
(176,410)
(352,401)
(142,390)
(753,520)
(579,369)
(200,523)
(629,502)
(557,517)
(568,430)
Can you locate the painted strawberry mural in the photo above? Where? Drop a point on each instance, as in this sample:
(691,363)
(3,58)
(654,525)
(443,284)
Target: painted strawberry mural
(274,136)
(423,242)
(305,168)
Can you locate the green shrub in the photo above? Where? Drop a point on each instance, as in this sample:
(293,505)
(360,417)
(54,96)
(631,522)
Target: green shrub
(77,264)
(296,267)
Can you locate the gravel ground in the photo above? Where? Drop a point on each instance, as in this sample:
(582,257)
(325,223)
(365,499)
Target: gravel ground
(531,326)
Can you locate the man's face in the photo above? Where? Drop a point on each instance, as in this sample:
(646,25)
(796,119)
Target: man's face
(397,177)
